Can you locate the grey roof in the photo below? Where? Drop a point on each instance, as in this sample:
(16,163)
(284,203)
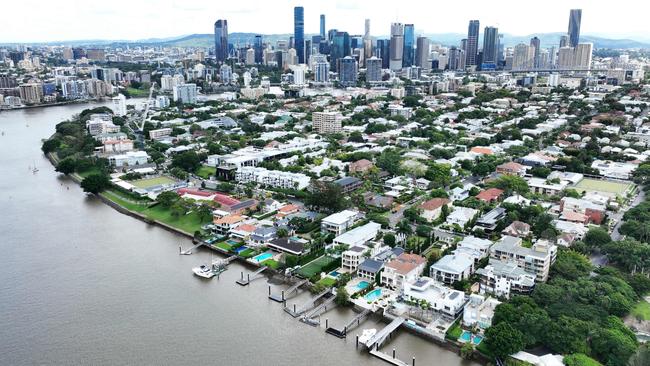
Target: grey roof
(493,216)
(264,230)
(347,181)
(357,249)
(287,244)
(387,254)
(371,265)
(453,263)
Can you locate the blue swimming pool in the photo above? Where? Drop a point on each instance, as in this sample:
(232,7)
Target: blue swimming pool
(477,340)
(373,295)
(241,249)
(262,257)
(465,336)
(335,274)
(362,285)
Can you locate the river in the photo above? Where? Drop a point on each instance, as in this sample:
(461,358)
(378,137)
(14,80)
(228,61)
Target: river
(82,284)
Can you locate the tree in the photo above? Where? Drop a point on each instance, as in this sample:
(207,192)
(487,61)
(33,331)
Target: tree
(355,136)
(342,298)
(597,237)
(167,198)
(95,183)
(204,212)
(66,166)
(571,265)
(389,160)
(389,239)
(178,209)
(467,351)
(326,196)
(511,183)
(641,357)
(50,145)
(580,359)
(438,174)
(282,233)
(188,161)
(503,340)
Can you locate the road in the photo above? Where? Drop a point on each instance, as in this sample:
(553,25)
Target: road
(618,216)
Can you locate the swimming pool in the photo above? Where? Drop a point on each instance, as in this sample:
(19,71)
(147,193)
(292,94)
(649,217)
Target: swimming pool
(362,285)
(262,257)
(373,295)
(241,249)
(465,336)
(335,274)
(477,339)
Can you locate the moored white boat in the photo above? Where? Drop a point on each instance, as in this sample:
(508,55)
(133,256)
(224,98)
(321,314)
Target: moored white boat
(203,271)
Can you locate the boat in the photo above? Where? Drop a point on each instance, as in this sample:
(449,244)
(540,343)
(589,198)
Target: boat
(203,271)
(367,334)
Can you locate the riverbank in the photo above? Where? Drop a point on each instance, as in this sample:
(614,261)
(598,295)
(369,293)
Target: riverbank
(56,104)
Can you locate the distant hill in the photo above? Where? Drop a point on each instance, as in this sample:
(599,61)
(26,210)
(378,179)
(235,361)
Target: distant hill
(447,39)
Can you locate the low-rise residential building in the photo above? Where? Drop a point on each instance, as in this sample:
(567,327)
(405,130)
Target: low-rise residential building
(223,225)
(474,247)
(543,186)
(117,146)
(595,212)
(406,268)
(479,311)
(290,245)
(452,268)
(490,195)
(359,235)
(511,168)
(536,260)
(348,184)
(160,133)
(369,268)
(614,169)
(432,208)
(262,236)
(488,222)
(447,302)
(339,222)
(461,216)
(360,166)
(272,178)
(503,278)
(518,229)
(130,158)
(326,122)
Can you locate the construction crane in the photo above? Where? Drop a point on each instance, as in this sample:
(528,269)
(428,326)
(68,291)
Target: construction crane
(146,107)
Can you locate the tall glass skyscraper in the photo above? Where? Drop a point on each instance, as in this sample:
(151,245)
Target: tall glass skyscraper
(575,17)
(472,43)
(383,52)
(396,46)
(299,32)
(409,45)
(322,26)
(340,48)
(259,49)
(490,48)
(221,40)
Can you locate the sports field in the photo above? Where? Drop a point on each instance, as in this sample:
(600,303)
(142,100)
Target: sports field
(317,266)
(152,182)
(604,186)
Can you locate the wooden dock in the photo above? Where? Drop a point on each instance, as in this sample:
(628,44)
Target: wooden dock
(388,358)
(286,294)
(250,277)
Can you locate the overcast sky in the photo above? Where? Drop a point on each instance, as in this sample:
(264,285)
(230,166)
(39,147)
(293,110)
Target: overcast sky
(37,20)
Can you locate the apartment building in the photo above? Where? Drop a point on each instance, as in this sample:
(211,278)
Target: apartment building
(536,260)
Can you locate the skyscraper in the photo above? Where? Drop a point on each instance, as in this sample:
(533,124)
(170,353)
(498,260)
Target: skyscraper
(367,41)
(396,46)
(574,27)
(299,32)
(373,69)
(456,59)
(348,71)
(322,26)
(522,57)
(221,40)
(564,41)
(340,47)
(490,48)
(409,45)
(535,45)
(383,52)
(259,49)
(472,43)
(422,53)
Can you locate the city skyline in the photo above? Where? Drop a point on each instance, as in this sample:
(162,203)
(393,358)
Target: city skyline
(173,18)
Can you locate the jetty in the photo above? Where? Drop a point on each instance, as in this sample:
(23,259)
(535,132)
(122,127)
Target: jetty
(313,317)
(380,337)
(250,276)
(189,251)
(351,324)
(286,294)
(308,305)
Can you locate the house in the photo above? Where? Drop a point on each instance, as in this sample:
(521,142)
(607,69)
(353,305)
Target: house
(360,166)
(352,258)
(461,216)
(474,247)
(369,268)
(460,193)
(130,158)
(339,222)
(452,268)
(490,220)
(348,184)
(536,260)
(226,223)
(377,200)
(490,195)
(576,229)
(503,278)
(565,240)
(242,231)
(387,253)
(405,268)
(518,229)
(432,208)
(358,236)
(594,212)
(511,168)
(479,311)
(287,210)
(542,186)
(262,236)
(290,245)
(422,183)
(445,301)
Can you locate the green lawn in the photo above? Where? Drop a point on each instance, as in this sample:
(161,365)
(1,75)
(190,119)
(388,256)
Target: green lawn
(327,281)
(454,332)
(151,182)
(316,266)
(247,253)
(641,310)
(124,201)
(205,171)
(588,184)
(223,245)
(271,263)
(88,172)
(188,223)
(138,93)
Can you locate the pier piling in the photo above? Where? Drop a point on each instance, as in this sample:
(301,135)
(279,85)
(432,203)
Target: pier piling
(327,322)
(413,362)
(269,290)
(357,344)
(393,352)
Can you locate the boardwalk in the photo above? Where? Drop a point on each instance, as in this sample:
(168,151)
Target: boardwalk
(307,305)
(286,294)
(381,335)
(388,358)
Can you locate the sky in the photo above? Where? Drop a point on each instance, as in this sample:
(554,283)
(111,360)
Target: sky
(62,20)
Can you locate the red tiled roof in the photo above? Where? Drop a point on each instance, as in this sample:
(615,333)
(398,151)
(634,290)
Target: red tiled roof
(490,194)
(194,192)
(434,204)
(406,262)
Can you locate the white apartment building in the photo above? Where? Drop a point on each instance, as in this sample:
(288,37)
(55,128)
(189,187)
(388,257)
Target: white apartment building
(130,158)
(501,278)
(326,122)
(160,133)
(119,105)
(536,260)
(339,222)
(272,178)
(185,93)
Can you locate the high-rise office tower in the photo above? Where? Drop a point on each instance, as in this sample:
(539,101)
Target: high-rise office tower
(299,32)
(472,43)
(575,17)
(373,69)
(456,58)
(308,47)
(522,57)
(409,45)
(348,71)
(535,45)
(322,26)
(367,41)
(259,49)
(422,53)
(564,41)
(383,52)
(490,48)
(396,46)
(221,40)
(340,48)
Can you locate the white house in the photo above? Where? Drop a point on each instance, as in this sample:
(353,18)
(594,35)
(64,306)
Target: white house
(432,208)
(452,268)
(479,311)
(406,268)
(444,300)
(461,216)
(339,222)
(358,236)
